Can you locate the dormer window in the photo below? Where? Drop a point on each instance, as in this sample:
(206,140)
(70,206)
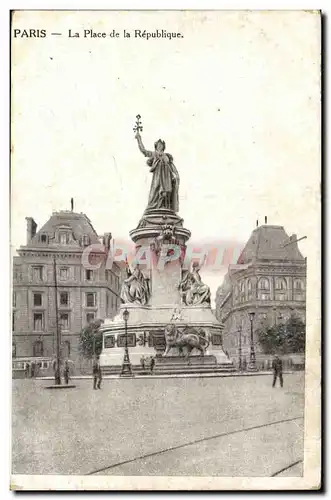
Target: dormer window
(85,240)
(64,238)
(43,238)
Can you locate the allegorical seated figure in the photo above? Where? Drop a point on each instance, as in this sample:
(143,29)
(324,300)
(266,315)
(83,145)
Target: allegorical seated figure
(135,289)
(165,182)
(192,289)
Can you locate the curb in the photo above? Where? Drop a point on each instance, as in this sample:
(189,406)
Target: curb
(188,375)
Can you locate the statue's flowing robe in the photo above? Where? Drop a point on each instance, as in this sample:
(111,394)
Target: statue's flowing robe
(165,180)
(195,291)
(199,292)
(135,289)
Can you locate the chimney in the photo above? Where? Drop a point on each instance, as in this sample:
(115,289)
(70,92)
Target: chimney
(31,229)
(107,239)
(257,223)
(265,219)
(72,204)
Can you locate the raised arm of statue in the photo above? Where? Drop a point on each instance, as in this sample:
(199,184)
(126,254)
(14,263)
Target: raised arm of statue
(141,147)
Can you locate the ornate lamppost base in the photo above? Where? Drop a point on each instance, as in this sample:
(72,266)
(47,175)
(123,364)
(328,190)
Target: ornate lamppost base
(126,370)
(251,367)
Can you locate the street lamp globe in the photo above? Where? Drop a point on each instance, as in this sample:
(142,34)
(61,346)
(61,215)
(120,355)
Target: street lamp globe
(251,316)
(126,315)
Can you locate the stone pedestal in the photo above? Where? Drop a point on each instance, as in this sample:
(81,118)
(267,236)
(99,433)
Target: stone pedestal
(162,231)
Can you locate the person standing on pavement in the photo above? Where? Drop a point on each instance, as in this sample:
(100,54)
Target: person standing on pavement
(152,363)
(97,375)
(66,372)
(277,367)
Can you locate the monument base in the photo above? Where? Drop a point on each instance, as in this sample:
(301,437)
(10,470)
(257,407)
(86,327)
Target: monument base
(185,361)
(177,365)
(192,364)
(146,337)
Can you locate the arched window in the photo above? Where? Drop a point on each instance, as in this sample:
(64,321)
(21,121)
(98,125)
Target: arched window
(264,284)
(38,349)
(298,285)
(242,291)
(280,284)
(280,289)
(249,289)
(264,289)
(298,290)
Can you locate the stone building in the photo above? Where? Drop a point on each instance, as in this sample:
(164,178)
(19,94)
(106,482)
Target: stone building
(83,294)
(269,280)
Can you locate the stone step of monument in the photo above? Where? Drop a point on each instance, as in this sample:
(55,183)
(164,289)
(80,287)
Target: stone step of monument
(210,366)
(194,369)
(172,369)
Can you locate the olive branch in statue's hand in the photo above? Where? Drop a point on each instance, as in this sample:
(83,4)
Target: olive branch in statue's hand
(138,127)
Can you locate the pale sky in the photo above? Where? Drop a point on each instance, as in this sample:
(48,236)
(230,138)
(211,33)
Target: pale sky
(236,100)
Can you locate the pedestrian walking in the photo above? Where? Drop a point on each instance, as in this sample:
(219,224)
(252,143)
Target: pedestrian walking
(66,372)
(152,363)
(97,375)
(277,367)
(142,362)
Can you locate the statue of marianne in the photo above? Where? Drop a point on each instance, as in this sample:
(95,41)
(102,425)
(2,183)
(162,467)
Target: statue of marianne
(165,182)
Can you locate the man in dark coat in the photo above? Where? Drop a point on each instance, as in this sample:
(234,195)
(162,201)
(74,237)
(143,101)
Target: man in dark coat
(277,367)
(66,372)
(97,375)
(152,364)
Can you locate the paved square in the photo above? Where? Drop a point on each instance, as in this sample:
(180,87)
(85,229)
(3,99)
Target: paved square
(231,426)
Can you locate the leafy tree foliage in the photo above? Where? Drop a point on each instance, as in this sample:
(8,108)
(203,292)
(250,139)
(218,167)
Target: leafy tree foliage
(285,338)
(90,341)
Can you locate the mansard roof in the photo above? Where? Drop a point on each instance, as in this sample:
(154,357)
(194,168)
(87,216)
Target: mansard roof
(77,224)
(270,243)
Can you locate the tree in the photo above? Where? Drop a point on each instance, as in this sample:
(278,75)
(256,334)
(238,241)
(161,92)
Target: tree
(90,341)
(285,338)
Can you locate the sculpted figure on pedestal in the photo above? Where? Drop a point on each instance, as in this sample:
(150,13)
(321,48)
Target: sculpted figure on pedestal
(192,288)
(165,182)
(189,338)
(166,237)
(135,289)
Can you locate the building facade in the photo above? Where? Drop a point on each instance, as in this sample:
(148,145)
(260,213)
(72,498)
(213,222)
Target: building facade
(268,280)
(51,265)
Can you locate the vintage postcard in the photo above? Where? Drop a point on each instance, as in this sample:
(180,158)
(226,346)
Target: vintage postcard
(165,238)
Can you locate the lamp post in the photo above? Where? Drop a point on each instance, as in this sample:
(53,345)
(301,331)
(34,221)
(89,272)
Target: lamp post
(126,366)
(252,360)
(240,352)
(58,329)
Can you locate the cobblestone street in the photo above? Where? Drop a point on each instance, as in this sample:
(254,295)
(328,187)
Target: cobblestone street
(231,426)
